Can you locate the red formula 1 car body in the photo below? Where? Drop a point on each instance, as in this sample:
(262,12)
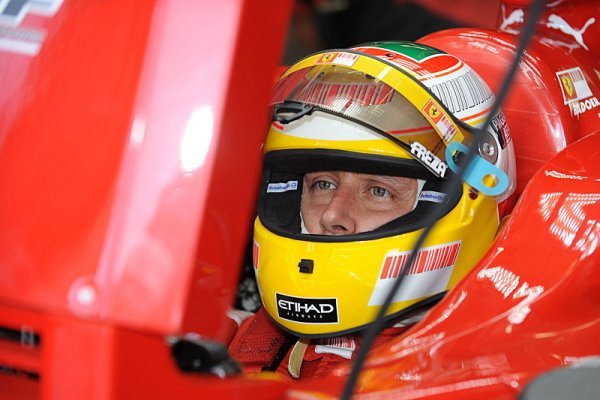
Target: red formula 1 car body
(130,146)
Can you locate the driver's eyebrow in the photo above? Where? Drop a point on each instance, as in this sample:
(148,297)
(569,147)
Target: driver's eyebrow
(311,176)
(391,180)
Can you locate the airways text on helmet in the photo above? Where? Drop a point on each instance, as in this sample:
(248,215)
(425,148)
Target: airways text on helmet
(306,309)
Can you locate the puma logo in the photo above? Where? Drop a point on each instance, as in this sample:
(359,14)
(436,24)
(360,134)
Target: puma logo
(558,43)
(515,17)
(556,22)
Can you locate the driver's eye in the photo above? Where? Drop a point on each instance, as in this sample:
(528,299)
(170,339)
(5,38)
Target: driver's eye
(324,185)
(380,192)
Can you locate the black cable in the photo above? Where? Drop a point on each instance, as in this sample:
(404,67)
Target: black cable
(454,183)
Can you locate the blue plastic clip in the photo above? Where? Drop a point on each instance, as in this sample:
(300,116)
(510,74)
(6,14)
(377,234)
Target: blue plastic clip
(478,169)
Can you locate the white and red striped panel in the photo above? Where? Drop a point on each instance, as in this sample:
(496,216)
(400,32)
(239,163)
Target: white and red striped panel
(428,275)
(428,259)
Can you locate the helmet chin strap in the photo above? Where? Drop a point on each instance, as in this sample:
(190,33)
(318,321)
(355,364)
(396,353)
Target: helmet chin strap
(420,184)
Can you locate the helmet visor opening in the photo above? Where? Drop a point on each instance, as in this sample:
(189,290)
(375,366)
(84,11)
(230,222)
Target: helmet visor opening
(282,190)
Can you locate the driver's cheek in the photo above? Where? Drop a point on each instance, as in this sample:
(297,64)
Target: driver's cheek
(375,212)
(369,218)
(312,208)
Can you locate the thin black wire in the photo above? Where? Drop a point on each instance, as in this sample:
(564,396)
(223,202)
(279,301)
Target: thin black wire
(455,184)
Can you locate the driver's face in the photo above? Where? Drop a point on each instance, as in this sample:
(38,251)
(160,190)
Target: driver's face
(345,203)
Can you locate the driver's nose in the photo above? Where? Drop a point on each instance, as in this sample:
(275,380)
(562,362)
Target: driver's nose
(337,218)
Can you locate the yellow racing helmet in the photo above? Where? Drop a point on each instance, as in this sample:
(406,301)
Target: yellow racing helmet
(386,108)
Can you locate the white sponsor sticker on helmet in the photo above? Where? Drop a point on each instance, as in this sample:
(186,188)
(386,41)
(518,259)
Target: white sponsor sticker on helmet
(433,196)
(340,58)
(439,120)
(282,187)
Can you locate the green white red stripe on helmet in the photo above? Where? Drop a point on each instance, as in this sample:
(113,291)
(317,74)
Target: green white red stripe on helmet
(451,81)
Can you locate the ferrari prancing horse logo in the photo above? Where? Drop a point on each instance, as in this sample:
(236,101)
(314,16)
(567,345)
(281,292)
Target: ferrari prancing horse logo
(576,91)
(567,84)
(433,112)
(328,57)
